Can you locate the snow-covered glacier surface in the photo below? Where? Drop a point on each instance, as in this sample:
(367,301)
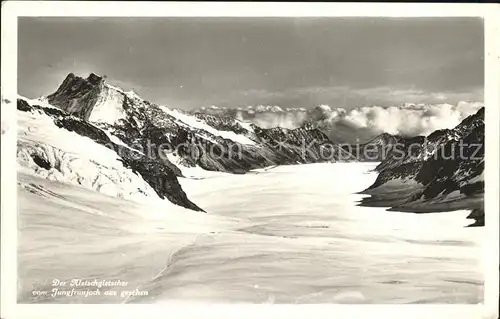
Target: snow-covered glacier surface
(75,159)
(290,234)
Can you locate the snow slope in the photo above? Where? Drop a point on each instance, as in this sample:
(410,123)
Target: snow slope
(109,106)
(74,159)
(281,235)
(68,232)
(191,122)
(443,173)
(213,143)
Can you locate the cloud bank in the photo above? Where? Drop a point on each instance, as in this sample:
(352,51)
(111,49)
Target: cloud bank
(265,116)
(358,124)
(407,120)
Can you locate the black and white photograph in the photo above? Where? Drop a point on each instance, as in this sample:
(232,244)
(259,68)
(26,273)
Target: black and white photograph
(250,160)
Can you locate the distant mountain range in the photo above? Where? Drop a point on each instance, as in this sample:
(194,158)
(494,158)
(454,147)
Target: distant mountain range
(354,125)
(120,139)
(174,141)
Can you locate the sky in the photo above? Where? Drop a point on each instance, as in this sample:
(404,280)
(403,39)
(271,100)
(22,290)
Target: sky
(188,63)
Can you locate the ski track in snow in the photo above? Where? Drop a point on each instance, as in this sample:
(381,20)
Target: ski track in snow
(288,234)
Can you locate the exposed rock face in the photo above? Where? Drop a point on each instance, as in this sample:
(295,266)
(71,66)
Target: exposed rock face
(77,96)
(441,172)
(338,132)
(420,148)
(158,143)
(217,143)
(406,153)
(90,99)
(478,216)
(160,177)
(375,150)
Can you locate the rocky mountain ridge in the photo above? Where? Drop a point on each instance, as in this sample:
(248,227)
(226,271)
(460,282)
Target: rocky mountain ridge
(440,172)
(161,178)
(161,144)
(210,142)
(153,143)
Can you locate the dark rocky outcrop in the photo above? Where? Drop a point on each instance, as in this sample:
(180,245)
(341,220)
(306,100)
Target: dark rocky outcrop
(375,150)
(77,95)
(478,216)
(152,131)
(145,124)
(159,176)
(40,161)
(223,143)
(440,172)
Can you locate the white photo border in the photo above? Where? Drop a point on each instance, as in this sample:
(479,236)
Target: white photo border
(11,10)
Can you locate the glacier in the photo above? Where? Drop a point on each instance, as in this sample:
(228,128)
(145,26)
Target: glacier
(275,232)
(288,234)
(74,159)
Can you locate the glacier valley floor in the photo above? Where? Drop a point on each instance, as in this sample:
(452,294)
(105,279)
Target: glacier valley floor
(290,234)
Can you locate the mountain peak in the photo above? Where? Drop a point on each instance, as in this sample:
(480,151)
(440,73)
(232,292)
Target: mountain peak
(384,139)
(94,78)
(89,98)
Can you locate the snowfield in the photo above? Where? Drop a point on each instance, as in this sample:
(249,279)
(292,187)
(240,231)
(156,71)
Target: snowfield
(75,159)
(109,106)
(289,234)
(192,122)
